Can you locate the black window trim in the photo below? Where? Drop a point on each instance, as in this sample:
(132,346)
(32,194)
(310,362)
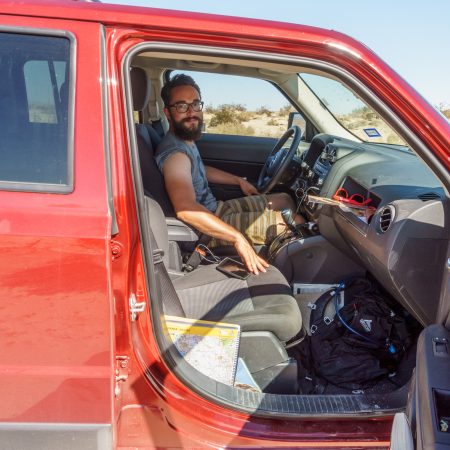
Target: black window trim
(51,188)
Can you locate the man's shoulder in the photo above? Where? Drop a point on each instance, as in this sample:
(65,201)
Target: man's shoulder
(169,144)
(172,144)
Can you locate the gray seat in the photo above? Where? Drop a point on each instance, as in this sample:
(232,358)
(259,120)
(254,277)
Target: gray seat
(259,303)
(147,140)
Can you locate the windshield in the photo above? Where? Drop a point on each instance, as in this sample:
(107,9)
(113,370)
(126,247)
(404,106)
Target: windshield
(349,110)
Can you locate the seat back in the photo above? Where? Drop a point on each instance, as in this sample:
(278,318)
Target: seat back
(158,225)
(147,140)
(171,303)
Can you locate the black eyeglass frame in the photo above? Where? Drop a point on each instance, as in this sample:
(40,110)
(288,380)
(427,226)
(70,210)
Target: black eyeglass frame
(186,105)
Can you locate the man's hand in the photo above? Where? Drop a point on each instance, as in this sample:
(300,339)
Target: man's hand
(247,188)
(254,263)
(218,176)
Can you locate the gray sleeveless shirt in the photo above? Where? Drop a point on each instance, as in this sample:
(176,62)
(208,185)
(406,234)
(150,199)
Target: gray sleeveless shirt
(172,144)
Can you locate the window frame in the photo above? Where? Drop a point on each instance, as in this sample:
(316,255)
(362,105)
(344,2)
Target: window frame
(269,84)
(191,378)
(52,188)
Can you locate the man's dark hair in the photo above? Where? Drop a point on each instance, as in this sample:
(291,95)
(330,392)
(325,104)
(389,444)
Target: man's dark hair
(177,80)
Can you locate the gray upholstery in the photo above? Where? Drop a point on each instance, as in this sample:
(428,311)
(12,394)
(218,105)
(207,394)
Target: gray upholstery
(158,224)
(140,88)
(261,303)
(147,140)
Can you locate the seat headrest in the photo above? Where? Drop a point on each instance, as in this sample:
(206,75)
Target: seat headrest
(140,88)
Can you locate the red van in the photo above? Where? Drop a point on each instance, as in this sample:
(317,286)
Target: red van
(92,268)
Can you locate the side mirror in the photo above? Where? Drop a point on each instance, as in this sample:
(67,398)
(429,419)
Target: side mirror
(295,118)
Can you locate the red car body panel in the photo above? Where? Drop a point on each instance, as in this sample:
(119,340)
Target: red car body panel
(57,311)
(65,284)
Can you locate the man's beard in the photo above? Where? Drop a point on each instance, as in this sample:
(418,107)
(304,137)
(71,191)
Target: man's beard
(185,133)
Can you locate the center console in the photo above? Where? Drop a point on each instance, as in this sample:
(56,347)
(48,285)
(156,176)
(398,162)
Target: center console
(302,232)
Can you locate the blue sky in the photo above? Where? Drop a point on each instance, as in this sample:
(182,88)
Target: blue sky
(412,36)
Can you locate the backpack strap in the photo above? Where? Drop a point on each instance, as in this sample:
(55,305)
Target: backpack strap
(317,319)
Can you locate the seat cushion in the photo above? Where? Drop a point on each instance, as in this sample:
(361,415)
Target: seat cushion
(260,303)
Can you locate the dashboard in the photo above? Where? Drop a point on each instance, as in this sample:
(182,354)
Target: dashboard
(391,215)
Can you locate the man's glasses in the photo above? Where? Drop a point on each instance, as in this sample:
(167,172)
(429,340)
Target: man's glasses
(183,107)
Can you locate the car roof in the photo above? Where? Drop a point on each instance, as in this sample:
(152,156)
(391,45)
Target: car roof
(126,15)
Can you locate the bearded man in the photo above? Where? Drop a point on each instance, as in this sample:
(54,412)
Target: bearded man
(253,219)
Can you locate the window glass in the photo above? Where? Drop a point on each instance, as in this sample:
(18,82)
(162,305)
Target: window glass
(241,106)
(34,109)
(41,101)
(351,112)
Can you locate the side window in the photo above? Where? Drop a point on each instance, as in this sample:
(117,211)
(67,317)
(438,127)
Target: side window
(41,101)
(34,106)
(241,106)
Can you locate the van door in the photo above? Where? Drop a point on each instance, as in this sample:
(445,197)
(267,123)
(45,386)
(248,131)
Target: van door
(56,366)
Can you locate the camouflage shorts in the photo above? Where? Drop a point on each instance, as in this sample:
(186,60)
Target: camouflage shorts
(251,217)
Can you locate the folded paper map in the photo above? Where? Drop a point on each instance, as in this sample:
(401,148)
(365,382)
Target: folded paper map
(210,347)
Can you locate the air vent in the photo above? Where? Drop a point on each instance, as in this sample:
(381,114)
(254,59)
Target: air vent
(386,217)
(426,196)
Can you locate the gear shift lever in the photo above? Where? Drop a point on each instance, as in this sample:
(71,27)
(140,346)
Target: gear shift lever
(288,219)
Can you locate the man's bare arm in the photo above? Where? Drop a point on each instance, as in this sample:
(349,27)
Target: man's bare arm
(178,182)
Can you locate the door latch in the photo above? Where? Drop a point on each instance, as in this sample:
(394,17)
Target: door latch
(136,307)
(116,249)
(122,372)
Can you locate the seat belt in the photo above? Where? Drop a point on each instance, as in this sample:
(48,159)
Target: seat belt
(155,118)
(170,302)
(195,258)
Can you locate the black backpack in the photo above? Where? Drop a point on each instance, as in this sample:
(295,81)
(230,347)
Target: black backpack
(360,344)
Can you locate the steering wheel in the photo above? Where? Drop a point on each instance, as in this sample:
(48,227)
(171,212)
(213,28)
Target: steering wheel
(278,160)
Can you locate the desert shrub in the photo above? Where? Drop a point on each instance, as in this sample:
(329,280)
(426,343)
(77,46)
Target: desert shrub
(229,113)
(285,110)
(223,114)
(232,128)
(364,112)
(210,109)
(42,114)
(446,112)
(239,107)
(244,116)
(273,122)
(222,117)
(263,110)
(354,125)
